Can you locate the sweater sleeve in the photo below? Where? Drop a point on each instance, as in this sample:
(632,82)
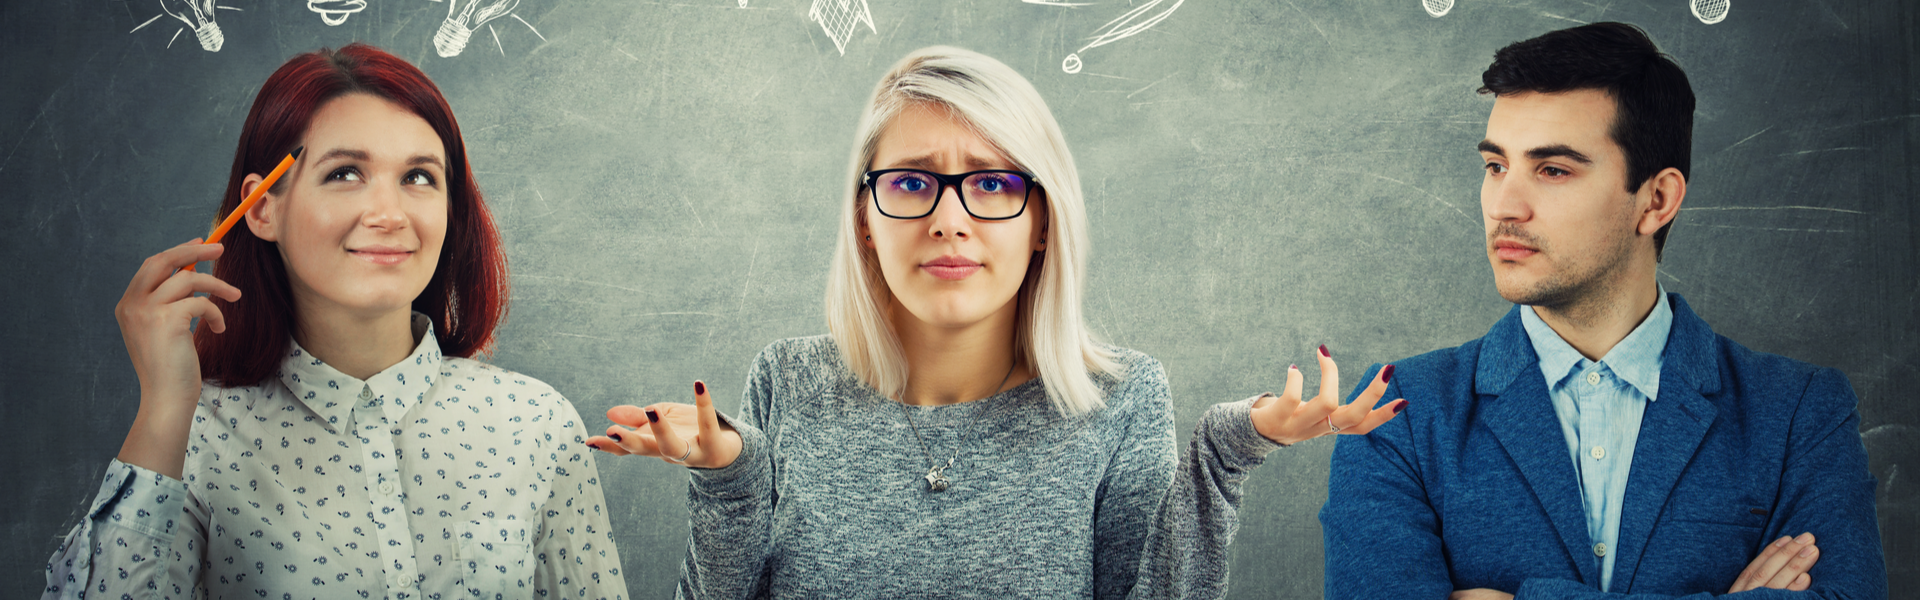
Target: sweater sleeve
(730,509)
(1168,539)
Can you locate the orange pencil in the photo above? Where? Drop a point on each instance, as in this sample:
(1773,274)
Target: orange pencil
(253,198)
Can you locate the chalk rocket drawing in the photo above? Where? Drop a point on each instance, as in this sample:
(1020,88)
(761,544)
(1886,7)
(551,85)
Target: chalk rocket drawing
(1437,8)
(335,12)
(198,15)
(1709,11)
(840,18)
(1134,22)
(463,17)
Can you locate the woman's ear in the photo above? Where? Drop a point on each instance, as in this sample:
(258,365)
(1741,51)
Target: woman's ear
(262,218)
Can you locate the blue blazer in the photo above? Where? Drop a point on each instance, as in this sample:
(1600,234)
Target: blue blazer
(1472,486)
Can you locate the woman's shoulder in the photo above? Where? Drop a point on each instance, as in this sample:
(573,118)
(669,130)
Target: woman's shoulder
(1137,382)
(812,351)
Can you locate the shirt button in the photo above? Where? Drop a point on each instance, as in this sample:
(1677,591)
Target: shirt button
(1600,549)
(1599,453)
(406,583)
(1593,378)
(386,488)
(366,392)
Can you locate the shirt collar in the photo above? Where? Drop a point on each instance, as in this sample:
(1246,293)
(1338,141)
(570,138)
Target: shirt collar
(1635,359)
(332,395)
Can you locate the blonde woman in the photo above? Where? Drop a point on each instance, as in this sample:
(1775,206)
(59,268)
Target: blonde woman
(961,434)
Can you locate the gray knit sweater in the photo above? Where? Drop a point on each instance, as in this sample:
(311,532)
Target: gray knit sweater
(828,497)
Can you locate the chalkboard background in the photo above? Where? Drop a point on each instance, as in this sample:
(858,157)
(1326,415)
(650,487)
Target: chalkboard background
(1263,177)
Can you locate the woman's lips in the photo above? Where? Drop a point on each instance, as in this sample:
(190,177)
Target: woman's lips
(951,268)
(381,256)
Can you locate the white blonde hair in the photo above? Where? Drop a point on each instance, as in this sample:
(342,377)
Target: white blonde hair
(1005,110)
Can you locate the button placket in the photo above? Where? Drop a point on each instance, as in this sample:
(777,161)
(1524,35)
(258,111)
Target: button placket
(384,494)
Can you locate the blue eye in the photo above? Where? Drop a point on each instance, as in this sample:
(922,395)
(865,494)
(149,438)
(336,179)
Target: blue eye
(993,186)
(910,184)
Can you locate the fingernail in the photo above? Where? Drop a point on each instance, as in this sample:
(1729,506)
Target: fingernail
(1805,538)
(1399,406)
(652,417)
(1782,541)
(1809,551)
(1386,374)
(591,445)
(699,387)
(615,436)
(1324,352)
(1293,367)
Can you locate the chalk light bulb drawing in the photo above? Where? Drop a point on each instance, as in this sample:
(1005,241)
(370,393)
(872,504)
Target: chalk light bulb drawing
(197,14)
(1128,25)
(1709,11)
(1437,8)
(460,23)
(335,12)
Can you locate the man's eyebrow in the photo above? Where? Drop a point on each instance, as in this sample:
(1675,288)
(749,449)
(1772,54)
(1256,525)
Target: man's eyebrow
(1561,151)
(1491,148)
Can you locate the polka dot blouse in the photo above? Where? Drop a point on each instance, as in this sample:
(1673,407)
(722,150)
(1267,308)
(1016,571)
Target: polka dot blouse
(436,478)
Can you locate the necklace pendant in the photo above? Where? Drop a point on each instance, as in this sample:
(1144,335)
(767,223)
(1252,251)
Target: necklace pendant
(937,482)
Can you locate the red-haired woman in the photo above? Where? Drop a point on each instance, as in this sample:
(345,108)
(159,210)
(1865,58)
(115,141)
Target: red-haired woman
(324,433)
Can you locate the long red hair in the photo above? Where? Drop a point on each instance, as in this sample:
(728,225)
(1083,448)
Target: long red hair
(467,296)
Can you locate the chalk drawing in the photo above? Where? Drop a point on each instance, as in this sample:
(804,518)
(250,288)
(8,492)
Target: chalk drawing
(335,12)
(839,18)
(1437,8)
(1141,18)
(463,20)
(1709,11)
(198,15)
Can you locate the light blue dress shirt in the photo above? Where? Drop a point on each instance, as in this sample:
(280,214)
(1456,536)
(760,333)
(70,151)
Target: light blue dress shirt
(1600,404)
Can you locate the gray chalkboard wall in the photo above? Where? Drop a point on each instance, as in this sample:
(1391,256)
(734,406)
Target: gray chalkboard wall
(1263,177)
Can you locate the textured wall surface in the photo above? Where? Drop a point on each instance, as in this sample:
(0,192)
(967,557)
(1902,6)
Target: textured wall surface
(1262,176)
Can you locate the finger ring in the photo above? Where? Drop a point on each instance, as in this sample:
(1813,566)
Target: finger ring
(1331,426)
(683,457)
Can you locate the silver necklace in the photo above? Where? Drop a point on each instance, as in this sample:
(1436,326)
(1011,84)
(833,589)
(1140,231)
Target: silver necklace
(936,473)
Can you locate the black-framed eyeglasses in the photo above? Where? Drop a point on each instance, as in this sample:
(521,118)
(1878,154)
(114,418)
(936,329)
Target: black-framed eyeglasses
(991,195)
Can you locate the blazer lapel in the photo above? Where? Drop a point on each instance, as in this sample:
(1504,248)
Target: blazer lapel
(1516,408)
(1670,433)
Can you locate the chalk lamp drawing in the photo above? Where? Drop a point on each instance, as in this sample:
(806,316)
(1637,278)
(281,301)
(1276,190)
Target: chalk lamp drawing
(198,15)
(1437,8)
(335,12)
(1709,11)
(839,18)
(1141,18)
(464,17)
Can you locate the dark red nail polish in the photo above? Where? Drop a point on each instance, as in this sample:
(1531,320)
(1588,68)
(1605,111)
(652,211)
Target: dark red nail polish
(1399,406)
(1291,367)
(699,387)
(615,436)
(590,445)
(652,417)
(1386,374)
(1324,352)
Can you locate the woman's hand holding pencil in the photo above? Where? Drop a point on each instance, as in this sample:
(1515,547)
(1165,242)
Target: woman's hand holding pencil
(156,317)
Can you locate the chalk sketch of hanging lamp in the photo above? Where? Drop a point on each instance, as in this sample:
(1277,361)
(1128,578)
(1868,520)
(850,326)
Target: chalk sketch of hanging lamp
(197,14)
(1437,8)
(462,20)
(335,12)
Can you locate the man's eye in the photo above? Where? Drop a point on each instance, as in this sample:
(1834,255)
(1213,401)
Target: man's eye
(1555,172)
(1495,168)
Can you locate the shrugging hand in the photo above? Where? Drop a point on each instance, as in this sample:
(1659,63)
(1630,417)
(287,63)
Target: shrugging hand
(156,321)
(1286,419)
(690,435)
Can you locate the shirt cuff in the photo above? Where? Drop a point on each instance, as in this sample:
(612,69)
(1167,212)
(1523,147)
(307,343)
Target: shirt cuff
(1231,427)
(740,478)
(139,499)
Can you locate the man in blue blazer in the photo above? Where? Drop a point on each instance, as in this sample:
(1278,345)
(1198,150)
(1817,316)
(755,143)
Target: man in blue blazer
(1601,441)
